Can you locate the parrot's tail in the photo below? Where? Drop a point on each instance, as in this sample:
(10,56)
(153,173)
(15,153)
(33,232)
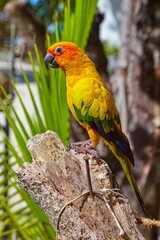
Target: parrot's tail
(129,174)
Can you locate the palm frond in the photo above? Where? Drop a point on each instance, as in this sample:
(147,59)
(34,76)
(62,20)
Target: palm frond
(19,214)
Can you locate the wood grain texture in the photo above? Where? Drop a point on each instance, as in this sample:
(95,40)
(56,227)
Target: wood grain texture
(57,176)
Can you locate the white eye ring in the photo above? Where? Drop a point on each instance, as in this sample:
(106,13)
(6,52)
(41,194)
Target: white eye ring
(59,50)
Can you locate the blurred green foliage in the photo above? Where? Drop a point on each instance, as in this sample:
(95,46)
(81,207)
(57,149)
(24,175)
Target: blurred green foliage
(109,49)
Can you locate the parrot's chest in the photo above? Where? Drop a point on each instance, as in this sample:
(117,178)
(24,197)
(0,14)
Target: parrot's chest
(69,99)
(70,93)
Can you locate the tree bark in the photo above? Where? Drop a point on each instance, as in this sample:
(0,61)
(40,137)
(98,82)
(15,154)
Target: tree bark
(139,74)
(57,176)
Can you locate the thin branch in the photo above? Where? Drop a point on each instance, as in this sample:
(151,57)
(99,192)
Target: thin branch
(148,222)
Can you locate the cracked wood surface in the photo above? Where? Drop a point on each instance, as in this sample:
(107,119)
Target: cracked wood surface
(57,176)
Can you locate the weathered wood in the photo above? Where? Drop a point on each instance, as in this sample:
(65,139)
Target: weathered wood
(57,176)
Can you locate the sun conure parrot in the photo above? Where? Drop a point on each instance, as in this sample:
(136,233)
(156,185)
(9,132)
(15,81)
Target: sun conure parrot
(92,105)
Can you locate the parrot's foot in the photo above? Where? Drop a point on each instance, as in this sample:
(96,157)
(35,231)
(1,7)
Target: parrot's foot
(84,147)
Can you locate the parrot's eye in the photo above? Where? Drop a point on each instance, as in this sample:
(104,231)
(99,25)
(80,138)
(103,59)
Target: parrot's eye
(59,50)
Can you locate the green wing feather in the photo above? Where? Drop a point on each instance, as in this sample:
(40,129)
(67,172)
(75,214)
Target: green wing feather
(93,103)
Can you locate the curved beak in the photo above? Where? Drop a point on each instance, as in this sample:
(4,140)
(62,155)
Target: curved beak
(50,61)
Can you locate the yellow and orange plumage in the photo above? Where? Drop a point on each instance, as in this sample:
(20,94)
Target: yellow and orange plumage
(92,105)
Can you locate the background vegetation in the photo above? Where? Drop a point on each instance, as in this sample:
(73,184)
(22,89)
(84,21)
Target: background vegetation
(20,215)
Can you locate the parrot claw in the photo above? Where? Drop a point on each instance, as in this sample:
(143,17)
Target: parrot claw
(84,147)
(80,144)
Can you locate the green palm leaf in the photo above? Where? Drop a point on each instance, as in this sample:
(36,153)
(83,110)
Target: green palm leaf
(19,214)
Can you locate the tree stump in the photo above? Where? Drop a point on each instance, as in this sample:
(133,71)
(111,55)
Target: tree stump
(58,175)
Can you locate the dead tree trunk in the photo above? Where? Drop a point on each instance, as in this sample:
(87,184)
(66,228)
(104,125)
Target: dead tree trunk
(57,176)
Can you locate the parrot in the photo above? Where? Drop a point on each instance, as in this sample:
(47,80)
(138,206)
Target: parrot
(92,105)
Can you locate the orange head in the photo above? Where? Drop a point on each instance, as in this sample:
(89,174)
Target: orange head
(65,55)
